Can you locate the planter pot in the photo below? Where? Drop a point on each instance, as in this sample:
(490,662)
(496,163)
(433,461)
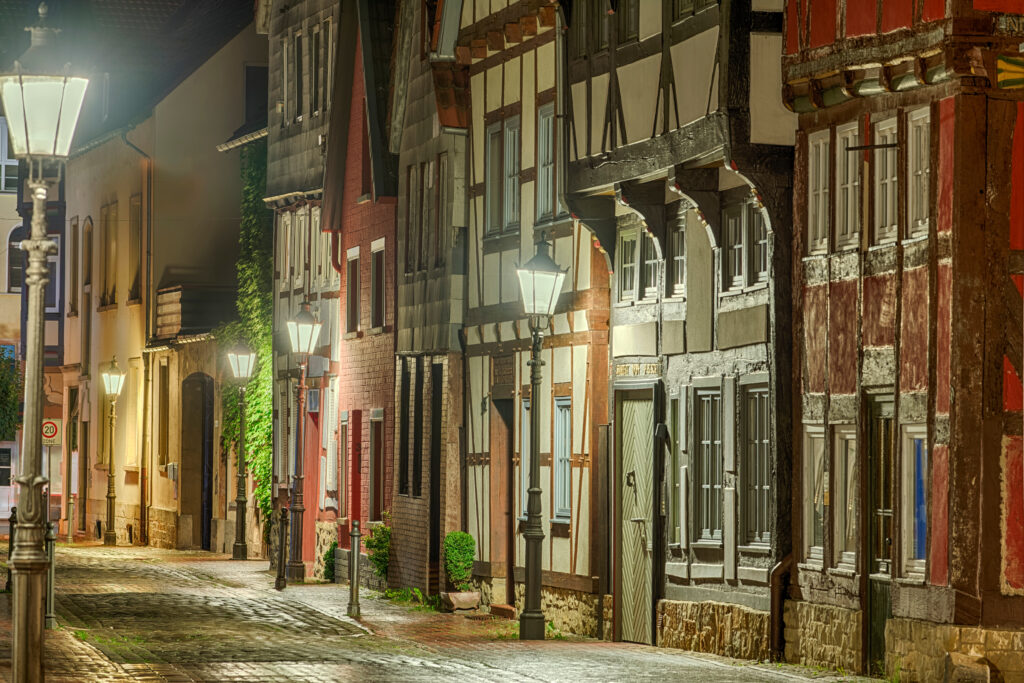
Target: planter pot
(461,600)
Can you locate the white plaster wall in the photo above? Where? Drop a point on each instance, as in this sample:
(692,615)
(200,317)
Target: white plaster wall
(770,122)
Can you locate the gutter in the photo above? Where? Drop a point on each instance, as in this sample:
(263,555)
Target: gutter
(778,581)
(292,195)
(242,140)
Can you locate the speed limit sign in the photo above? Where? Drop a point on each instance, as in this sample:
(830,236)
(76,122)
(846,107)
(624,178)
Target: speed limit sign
(51,432)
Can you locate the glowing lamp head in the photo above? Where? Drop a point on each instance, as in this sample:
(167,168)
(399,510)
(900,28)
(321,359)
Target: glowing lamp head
(242,362)
(304,331)
(540,282)
(113,378)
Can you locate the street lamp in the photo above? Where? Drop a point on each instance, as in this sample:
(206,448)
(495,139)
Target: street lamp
(41,102)
(242,361)
(304,334)
(540,282)
(113,380)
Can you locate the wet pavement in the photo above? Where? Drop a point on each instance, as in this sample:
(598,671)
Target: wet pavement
(142,614)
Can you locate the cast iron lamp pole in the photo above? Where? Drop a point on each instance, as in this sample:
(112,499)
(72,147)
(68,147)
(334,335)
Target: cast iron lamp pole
(540,281)
(304,334)
(41,102)
(113,380)
(242,362)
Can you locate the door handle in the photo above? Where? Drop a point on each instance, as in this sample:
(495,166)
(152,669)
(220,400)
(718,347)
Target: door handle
(639,519)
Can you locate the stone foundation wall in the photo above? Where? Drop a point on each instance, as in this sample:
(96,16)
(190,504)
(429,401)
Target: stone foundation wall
(822,635)
(275,533)
(714,627)
(326,533)
(570,611)
(163,528)
(367,577)
(916,650)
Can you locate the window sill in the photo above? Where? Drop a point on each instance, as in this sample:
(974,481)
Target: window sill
(623,304)
(134,302)
(888,244)
(738,291)
(352,335)
(130,468)
(381,329)
(914,239)
(107,307)
(810,566)
(848,246)
(756,549)
(364,198)
(72,314)
(815,256)
(843,571)
(706,543)
(100,466)
(911,580)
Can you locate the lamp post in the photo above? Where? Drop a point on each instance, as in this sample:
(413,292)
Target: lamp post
(41,102)
(304,334)
(113,380)
(242,362)
(540,282)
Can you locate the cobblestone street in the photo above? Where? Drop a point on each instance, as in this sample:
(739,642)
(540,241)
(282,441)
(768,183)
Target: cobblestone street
(140,614)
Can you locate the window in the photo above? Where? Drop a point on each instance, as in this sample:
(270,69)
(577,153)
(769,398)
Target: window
(847,185)
(15,261)
(563,457)
(650,267)
(757,238)
(51,293)
(628,16)
(343,465)
(331,430)
(284,243)
(597,23)
(377,284)
(412,216)
(511,164)
(502,182)
(814,493)
(417,431)
(8,164)
(524,457)
(709,465)
(675,479)
(135,247)
(493,187)
(285,80)
(352,291)
(376,467)
(757,465)
(312,400)
(627,265)
(5,466)
(315,69)
(681,9)
(914,501)
(403,428)
(844,498)
(328,63)
(579,30)
(442,210)
(73,267)
(164,409)
(817,192)
(732,223)
(300,248)
(546,161)
(677,267)
(918,170)
(108,225)
(87,253)
(886,187)
(426,209)
(299,94)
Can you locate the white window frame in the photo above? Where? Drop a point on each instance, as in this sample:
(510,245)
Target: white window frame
(918,171)
(844,501)
(815,490)
(511,165)
(54,258)
(377,247)
(757,463)
(886,160)
(676,274)
(709,462)
(13,250)
(352,256)
(913,568)
(284,250)
(493,189)
(848,189)
(628,265)
(649,266)
(818,186)
(757,240)
(546,156)
(562,457)
(524,457)
(733,253)
(7,162)
(300,244)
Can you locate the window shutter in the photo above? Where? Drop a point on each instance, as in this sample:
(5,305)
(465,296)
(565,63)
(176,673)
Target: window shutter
(684,507)
(729,424)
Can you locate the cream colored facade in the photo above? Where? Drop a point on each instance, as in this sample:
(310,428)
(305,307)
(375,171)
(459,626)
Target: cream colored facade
(152,207)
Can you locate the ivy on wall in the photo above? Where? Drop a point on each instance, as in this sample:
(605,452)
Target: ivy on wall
(10,398)
(254,329)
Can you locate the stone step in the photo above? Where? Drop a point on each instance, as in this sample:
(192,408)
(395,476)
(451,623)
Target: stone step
(503,611)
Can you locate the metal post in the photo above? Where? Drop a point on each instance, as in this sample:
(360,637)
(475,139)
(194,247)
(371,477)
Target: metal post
(353,570)
(296,568)
(12,524)
(240,551)
(51,540)
(28,560)
(110,534)
(531,619)
(71,519)
(282,537)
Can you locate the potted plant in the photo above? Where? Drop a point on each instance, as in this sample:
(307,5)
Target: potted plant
(459,549)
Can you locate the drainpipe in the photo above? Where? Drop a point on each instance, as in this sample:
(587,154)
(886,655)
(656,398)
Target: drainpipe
(147,383)
(778,581)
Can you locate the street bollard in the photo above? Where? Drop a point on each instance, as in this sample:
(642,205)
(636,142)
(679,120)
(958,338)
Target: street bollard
(353,571)
(12,524)
(280,582)
(51,540)
(71,517)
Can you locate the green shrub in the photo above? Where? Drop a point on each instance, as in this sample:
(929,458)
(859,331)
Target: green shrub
(459,549)
(378,546)
(329,561)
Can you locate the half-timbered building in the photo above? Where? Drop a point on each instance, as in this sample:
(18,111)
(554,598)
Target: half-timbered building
(907,247)
(428,122)
(679,158)
(514,177)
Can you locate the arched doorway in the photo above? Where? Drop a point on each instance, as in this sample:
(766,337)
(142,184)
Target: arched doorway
(196,478)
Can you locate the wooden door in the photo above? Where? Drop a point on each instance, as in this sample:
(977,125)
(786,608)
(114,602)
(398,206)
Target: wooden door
(880,531)
(636,492)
